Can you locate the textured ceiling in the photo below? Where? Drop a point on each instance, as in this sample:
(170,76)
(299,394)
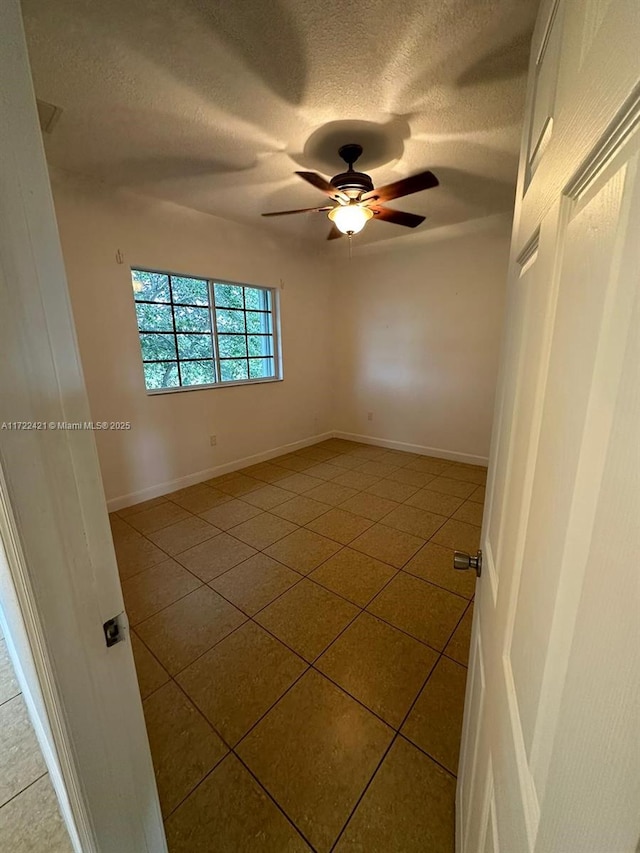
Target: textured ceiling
(214,103)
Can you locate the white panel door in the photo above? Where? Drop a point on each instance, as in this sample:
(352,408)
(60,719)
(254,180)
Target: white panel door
(550,760)
(53,519)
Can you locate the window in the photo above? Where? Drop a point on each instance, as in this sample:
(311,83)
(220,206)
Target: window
(196,331)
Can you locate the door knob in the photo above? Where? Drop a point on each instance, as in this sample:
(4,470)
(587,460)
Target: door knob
(463,561)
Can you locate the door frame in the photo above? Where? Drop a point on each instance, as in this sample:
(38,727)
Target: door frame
(54,524)
(27,649)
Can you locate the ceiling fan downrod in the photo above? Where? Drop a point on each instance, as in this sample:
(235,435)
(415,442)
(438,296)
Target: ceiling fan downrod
(350,153)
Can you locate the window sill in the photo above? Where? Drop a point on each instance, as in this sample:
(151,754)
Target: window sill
(158,391)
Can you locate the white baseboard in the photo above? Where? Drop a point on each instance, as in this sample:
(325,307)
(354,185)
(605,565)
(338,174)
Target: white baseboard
(192,479)
(453,455)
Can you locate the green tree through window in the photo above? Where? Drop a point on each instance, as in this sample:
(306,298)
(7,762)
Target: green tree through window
(199,332)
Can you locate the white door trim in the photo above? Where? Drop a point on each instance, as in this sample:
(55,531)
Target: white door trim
(55,525)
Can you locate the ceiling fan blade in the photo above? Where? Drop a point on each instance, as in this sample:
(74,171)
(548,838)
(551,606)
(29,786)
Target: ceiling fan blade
(301,210)
(399,217)
(406,186)
(335,233)
(323,185)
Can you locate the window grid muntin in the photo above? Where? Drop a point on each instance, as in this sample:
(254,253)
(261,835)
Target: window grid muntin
(173,332)
(214,334)
(269,298)
(268,295)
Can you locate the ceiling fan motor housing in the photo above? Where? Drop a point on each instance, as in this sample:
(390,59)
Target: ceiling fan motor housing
(353,183)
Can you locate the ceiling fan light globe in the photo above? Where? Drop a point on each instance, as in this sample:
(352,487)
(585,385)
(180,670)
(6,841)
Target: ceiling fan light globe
(350,218)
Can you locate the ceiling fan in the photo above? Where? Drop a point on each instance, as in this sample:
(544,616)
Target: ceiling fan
(357,199)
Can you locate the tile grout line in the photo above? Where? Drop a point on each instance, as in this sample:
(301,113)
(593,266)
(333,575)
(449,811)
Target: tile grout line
(305,525)
(248,617)
(309,666)
(401,734)
(360,610)
(166,606)
(22,790)
(274,801)
(197,577)
(9,698)
(363,609)
(251,618)
(303,576)
(398,734)
(231,750)
(166,498)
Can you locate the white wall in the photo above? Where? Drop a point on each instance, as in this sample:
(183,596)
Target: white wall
(169,439)
(409,334)
(417,340)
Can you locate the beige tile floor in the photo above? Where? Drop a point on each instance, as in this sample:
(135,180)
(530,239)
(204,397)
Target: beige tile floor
(30,819)
(301,642)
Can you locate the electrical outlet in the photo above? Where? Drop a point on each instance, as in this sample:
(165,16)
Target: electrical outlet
(213,440)
(369,416)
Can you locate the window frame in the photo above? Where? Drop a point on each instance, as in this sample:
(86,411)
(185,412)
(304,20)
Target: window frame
(211,282)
